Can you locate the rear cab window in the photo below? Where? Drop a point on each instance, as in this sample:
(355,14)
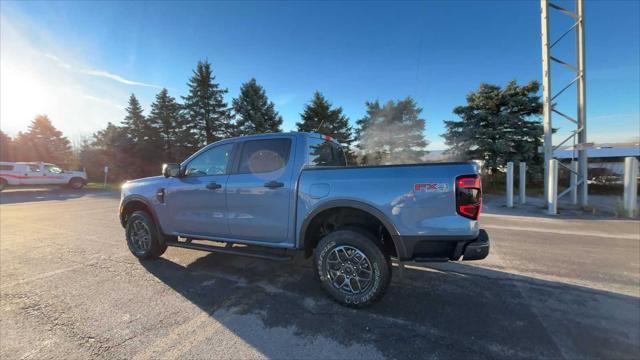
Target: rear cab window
(324,152)
(264,155)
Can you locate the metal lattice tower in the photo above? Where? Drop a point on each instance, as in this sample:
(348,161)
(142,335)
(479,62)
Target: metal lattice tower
(579,135)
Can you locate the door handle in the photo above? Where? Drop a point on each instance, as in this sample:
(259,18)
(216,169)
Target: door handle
(213,186)
(273,184)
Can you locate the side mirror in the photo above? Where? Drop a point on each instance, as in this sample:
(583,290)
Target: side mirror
(171,170)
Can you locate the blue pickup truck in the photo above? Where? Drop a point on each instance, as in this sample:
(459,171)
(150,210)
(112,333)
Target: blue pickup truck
(271,195)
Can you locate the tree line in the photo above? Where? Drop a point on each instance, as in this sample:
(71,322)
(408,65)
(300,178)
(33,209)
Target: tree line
(496,124)
(41,142)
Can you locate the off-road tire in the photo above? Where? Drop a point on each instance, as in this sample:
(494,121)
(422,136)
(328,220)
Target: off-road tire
(76,183)
(157,245)
(380,264)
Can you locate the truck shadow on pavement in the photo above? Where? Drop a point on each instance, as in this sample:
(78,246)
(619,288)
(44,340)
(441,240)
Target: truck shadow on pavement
(451,311)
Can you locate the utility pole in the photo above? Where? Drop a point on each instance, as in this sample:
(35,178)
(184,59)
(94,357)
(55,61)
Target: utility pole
(583,160)
(579,135)
(546,94)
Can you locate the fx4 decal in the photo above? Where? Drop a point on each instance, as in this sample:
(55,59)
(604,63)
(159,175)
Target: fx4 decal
(431,187)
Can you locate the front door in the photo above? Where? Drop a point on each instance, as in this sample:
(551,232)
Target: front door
(259,194)
(196,201)
(54,175)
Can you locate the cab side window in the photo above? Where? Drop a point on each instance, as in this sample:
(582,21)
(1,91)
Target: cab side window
(213,161)
(262,156)
(33,168)
(52,169)
(325,153)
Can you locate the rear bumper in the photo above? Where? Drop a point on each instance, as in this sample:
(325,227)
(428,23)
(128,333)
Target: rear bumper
(432,248)
(478,249)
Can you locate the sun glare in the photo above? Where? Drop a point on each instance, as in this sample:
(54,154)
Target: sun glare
(22,94)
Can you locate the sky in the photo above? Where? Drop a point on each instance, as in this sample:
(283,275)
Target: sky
(78,62)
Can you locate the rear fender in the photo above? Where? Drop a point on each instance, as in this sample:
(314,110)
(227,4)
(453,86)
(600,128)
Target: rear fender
(389,226)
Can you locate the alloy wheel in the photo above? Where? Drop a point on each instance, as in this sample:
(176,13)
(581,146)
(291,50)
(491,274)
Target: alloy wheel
(349,270)
(140,236)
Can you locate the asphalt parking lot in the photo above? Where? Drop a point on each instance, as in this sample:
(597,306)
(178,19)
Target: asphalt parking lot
(69,288)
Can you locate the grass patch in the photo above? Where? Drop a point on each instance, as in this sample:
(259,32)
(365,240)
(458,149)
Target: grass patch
(97,185)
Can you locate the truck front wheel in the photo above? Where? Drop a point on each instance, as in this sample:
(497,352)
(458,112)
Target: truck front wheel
(352,268)
(143,238)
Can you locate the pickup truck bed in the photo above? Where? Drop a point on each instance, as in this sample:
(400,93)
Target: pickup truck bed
(422,224)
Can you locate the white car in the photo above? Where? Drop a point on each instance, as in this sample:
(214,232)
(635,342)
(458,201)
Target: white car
(39,173)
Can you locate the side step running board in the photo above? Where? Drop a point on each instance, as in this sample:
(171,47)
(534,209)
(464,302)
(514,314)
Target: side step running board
(428,260)
(230,250)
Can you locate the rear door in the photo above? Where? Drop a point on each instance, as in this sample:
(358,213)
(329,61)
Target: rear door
(259,191)
(33,175)
(196,201)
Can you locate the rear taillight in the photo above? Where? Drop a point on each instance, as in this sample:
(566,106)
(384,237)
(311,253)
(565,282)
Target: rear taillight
(469,196)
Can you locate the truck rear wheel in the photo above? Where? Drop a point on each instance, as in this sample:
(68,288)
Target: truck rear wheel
(76,183)
(143,238)
(3,184)
(352,268)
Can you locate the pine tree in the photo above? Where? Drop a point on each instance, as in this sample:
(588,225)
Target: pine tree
(498,125)
(204,107)
(112,147)
(318,116)
(111,137)
(135,124)
(43,142)
(143,141)
(255,113)
(166,119)
(7,147)
(391,134)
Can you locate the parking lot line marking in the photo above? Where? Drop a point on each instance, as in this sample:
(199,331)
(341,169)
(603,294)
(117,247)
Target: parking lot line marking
(201,333)
(566,232)
(41,276)
(185,336)
(183,331)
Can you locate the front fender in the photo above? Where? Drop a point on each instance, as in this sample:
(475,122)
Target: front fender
(136,202)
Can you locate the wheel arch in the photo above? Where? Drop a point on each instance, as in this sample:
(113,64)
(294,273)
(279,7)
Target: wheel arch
(4,183)
(133,203)
(84,181)
(308,241)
